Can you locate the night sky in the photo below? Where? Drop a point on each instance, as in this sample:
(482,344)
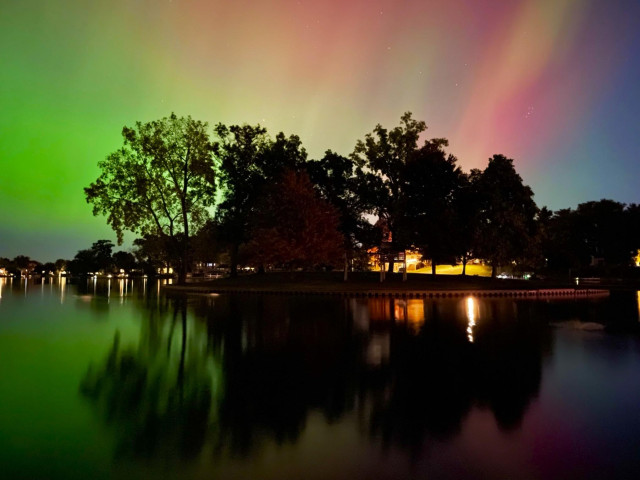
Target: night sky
(550,83)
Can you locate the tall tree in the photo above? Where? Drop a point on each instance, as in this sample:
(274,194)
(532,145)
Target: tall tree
(536,255)
(61,265)
(21,263)
(432,181)
(94,259)
(565,249)
(151,253)
(385,153)
(632,227)
(604,231)
(249,160)
(101,251)
(125,261)
(161,182)
(294,226)
(507,213)
(338,181)
(466,211)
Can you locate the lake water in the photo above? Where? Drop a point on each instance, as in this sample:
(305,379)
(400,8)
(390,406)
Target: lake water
(116,380)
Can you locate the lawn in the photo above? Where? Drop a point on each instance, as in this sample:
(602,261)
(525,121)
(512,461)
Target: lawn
(472,269)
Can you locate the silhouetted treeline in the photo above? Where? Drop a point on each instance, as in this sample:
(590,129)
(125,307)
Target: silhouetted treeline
(23,265)
(600,237)
(279,208)
(242,197)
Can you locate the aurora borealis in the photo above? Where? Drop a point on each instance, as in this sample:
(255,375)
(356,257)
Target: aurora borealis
(550,83)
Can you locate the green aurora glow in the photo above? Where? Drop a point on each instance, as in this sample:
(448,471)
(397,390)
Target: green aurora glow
(74,73)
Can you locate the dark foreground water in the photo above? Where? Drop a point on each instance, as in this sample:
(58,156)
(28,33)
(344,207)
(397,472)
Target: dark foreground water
(114,380)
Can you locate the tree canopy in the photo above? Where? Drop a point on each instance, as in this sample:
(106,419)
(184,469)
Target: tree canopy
(161,182)
(278,207)
(295,227)
(249,160)
(339,182)
(382,156)
(506,212)
(432,181)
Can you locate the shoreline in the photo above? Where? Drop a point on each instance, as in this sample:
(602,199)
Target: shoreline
(368,285)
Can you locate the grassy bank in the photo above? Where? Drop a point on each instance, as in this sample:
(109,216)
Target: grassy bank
(358,282)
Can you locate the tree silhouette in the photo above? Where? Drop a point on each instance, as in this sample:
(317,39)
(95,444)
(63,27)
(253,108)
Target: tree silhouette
(385,153)
(21,263)
(340,183)
(124,260)
(604,232)
(293,226)
(432,183)
(95,259)
(161,401)
(507,213)
(249,161)
(159,183)
(466,211)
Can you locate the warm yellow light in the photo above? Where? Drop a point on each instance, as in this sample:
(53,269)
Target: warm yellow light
(415,312)
(471,317)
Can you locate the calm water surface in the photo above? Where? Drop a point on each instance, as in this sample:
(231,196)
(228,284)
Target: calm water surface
(116,380)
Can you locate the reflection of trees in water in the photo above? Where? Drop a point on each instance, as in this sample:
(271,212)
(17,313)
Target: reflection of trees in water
(286,357)
(508,360)
(435,377)
(282,358)
(160,395)
(426,389)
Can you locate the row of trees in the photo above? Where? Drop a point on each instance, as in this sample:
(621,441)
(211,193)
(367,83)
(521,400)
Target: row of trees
(22,264)
(263,202)
(592,236)
(98,258)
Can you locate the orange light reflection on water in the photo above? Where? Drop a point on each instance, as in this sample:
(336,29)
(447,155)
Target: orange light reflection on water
(472,307)
(410,311)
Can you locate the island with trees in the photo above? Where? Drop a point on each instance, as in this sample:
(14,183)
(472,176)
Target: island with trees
(234,199)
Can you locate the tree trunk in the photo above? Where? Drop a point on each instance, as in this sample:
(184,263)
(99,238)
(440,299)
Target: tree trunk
(433,266)
(182,252)
(493,270)
(391,263)
(234,259)
(345,277)
(464,265)
(182,269)
(404,266)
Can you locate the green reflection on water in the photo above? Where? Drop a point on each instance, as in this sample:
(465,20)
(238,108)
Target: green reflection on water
(47,429)
(161,393)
